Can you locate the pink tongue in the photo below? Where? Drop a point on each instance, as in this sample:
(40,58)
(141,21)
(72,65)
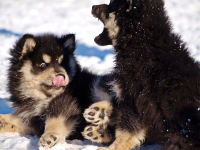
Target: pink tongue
(58,81)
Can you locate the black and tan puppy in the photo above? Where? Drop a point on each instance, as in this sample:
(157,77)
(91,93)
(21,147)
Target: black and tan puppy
(49,90)
(156,81)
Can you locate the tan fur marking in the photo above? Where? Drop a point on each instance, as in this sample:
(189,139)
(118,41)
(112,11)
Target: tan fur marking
(30,83)
(60,59)
(103,16)
(117,89)
(46,58)
(58,125)
(126,140)
(56,128)
(12,123)
(28,46)
(112,27)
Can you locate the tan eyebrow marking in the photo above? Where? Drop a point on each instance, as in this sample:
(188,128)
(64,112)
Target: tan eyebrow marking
(46,58)
(60,59)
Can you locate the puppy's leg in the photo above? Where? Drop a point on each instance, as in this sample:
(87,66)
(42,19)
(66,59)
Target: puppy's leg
(56,129)
(126,140)
(12,123)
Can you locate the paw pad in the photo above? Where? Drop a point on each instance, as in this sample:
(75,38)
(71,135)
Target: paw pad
(97,133)
(54,138)
(48,142)
(96,108)
(90,134)
(91,113)
(91,118)
(89,129)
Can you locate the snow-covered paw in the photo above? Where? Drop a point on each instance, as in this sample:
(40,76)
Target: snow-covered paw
(97,133)
(48,140)
(98,113)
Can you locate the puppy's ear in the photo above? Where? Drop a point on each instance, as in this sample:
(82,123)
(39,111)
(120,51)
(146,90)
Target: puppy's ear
(25,45)
(68,42)
(130,5)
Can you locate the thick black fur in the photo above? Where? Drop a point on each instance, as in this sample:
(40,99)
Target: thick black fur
(159,81)
(77,95)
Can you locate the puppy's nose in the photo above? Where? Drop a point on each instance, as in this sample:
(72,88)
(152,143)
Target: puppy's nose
(93,6)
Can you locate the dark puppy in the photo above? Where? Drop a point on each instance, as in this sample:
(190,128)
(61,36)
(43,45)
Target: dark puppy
(49,90)
(156,81)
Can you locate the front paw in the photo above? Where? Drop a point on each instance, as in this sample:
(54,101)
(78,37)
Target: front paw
(6,126)
(98,113)
(48,140)
(97,133)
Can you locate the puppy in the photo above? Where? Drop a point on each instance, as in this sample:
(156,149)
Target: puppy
(49,90)
(156,81)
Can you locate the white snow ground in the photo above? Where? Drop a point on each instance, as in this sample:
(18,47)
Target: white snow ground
(74,16)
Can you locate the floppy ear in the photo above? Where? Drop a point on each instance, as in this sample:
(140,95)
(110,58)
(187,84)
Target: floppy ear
(26,44)
(68,42)
(130,5)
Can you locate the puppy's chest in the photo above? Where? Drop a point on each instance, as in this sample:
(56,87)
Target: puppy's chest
(36,109)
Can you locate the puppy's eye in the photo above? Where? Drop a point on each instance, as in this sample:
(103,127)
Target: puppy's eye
(43,65)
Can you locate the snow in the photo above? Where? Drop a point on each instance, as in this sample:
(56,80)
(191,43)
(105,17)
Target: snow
(14,141)
(74,16)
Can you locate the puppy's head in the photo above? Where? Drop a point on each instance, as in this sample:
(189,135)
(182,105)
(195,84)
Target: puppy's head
(109,16)
(131,20)
(38,65)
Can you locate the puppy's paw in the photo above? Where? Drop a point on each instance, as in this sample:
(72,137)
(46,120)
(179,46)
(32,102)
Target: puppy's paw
(48,140)
(5,125)
(97,133)
(98,113)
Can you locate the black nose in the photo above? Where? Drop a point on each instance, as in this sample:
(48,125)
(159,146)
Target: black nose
(93,6)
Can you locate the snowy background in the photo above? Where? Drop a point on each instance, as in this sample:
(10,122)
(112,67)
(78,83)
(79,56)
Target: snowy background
(74,16)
